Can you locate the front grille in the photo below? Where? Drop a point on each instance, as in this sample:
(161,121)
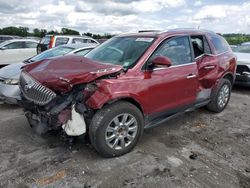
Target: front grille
(34,91)
(242,68)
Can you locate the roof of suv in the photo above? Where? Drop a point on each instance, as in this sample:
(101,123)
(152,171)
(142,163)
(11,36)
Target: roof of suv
(170,32)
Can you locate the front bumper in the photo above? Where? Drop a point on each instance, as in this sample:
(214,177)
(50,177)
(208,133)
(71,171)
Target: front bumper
(60,115)
(242,80)
(9,93)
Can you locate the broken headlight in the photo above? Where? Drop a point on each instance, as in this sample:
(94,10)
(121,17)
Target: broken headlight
(89,90)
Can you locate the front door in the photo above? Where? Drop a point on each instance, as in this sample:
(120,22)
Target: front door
(173,87)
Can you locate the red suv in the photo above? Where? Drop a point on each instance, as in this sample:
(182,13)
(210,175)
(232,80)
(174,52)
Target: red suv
(126,84)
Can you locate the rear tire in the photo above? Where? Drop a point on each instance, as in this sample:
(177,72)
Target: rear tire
(220,96)
(115,129)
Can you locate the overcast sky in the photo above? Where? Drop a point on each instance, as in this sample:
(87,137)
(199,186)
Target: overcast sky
(116,16)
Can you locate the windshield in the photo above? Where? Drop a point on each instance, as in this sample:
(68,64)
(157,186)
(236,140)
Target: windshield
(242,49)
(54,52)
(123,51)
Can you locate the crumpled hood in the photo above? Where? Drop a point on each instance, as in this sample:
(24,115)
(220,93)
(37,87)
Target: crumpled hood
(62,73)
(243,58)
(11,71)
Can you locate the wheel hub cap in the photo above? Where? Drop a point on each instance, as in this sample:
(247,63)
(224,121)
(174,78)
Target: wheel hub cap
(223,96)
(121,131)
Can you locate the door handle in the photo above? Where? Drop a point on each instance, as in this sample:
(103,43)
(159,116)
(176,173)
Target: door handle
(191,76)
(208,67)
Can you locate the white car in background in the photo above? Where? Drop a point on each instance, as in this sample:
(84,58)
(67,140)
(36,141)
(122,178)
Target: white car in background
(243,64)
(16,50)
(9,75)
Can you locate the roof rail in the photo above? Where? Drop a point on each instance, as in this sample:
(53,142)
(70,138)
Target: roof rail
(145,31)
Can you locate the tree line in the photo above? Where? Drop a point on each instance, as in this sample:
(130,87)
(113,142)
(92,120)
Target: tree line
(232,39)
(25,32)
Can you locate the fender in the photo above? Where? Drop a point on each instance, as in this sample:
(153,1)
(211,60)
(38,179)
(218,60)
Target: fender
(99,99)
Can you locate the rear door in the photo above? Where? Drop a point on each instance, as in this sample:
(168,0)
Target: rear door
(175,87)
(207,62)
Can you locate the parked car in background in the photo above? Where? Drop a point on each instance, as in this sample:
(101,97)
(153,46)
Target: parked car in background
(16,50)
(243,64)
(126,84)
(233,47)
(245,43)
(33,38)
(50,41)
(9,75)
(4,38)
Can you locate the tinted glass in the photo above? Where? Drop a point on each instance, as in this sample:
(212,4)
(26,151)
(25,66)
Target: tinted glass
(123,51)
(207,48)
(82,52)
(54,52)
(30,45)
(14,45)
(219,44)
(77,41)
(61,41)
(176,49)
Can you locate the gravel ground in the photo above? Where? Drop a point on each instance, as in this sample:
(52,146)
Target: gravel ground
(197,149)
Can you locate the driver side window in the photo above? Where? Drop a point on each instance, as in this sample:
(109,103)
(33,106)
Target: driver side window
(176,49)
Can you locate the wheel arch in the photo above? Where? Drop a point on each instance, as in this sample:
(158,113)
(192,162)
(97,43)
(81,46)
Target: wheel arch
(127,99)
(230,77)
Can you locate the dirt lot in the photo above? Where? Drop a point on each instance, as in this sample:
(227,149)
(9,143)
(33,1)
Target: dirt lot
(198,149)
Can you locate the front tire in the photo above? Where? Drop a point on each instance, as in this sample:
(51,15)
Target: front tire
(116,129)
(220,96)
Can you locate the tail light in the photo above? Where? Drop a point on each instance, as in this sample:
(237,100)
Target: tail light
(51,41)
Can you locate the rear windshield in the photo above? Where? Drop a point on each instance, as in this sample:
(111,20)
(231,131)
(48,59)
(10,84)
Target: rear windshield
(45,40)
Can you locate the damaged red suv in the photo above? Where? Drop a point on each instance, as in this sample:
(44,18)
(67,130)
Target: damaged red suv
(128,83)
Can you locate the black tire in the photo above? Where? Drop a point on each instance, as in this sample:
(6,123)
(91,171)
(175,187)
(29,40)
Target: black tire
(214,103)
(103,118)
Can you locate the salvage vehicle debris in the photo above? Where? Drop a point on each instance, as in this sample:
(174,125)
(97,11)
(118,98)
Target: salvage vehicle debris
(126,84)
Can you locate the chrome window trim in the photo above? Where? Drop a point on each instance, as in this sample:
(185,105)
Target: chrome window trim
(174,66)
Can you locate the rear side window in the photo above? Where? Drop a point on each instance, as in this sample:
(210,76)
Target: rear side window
(200,45)
(30,45)
(91,41)
(61,41)
(77,41)
(220,44)
(14,45)
(177,49)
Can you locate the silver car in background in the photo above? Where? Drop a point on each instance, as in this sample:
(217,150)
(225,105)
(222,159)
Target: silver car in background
(243,64)
(9,75)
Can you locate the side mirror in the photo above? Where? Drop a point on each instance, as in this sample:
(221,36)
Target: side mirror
(162,60)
